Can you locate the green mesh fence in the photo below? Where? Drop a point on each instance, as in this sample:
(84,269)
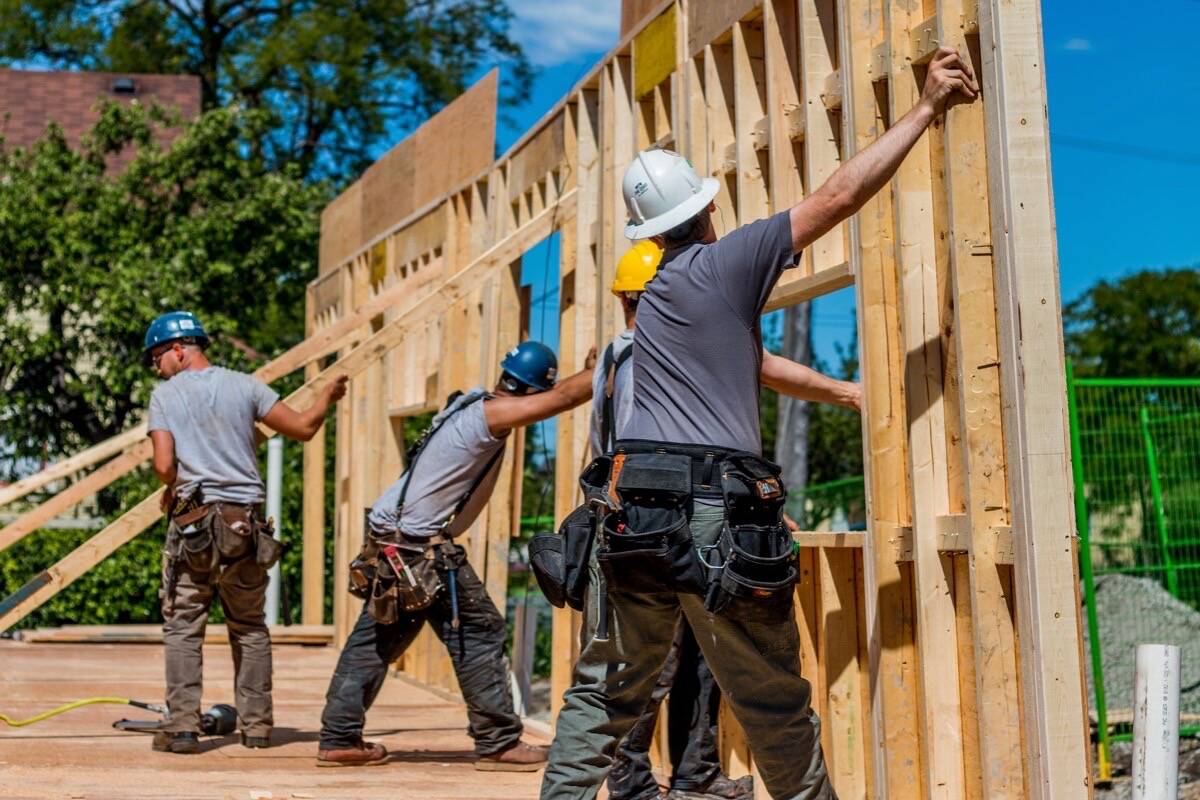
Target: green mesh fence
(1136,458)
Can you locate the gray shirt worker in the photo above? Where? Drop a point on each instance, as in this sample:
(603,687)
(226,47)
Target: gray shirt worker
(210,413)
(622,392)
(447,468)
(698,350)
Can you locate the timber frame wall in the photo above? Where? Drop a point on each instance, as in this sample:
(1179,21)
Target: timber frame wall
(943,644)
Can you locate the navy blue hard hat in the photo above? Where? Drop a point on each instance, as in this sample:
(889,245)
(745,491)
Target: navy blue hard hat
(533,364)
(174,325)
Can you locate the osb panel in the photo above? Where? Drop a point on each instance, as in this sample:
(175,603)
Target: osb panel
(654,54)
(341,228)
(455,145)
(707,21)
(536,157)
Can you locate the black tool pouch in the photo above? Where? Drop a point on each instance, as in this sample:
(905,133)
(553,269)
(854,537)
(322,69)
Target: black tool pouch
(647,545)
(560,561)
(753,559)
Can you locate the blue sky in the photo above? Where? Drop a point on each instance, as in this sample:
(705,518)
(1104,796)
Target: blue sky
(1123,116)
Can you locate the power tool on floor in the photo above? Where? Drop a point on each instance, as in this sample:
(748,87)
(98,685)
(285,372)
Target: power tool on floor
(220,720)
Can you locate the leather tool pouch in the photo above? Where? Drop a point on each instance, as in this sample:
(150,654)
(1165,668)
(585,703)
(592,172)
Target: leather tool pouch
(754,552)
(404,580)
(647,545)
(267,549)
(560,560)
(234,530)
(193,531)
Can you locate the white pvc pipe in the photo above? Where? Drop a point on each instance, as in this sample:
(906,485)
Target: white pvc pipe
(1156,723)
(274,503)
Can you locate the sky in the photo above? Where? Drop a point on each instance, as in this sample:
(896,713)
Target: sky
(1123,119)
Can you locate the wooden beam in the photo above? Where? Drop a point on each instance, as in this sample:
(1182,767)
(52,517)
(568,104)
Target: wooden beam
(835,539)
(895,716)
(319,345)
(810,287)
(1033,391)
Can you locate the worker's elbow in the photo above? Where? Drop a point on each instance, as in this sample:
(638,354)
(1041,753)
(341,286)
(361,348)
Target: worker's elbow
(164,475)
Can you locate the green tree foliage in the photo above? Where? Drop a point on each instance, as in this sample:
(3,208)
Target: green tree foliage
(91,255)
(1146,324)
(336,76)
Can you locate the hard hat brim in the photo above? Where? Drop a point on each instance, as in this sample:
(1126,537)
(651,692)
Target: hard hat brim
(677,215)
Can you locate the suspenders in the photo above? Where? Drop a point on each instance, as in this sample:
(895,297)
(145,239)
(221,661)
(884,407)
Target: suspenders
(608,415)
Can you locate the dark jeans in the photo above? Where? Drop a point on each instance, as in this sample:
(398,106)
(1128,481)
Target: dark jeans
(691,727)
(476,650)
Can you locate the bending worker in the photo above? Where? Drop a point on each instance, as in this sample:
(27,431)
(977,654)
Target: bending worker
(694,520)
(411,571)
(695,697)
(202,425)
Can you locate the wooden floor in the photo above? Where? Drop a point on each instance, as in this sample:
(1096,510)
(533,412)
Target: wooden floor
(79,755)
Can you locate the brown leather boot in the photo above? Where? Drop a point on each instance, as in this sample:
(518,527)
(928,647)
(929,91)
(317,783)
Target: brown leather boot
(366,754)
(184,742)
(520,757)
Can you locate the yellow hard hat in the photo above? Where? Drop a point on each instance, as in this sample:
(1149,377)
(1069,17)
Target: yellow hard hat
(637,267)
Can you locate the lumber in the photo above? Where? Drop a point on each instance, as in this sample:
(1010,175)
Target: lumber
(896,744)
(153,634)
(312,348)
(1033,389)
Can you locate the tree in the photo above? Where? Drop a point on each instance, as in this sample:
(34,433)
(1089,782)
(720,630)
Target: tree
(337,77)
(90,255)
(1143,325)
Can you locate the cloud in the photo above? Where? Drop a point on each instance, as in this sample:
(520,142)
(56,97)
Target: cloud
(560,31)
(1078,44)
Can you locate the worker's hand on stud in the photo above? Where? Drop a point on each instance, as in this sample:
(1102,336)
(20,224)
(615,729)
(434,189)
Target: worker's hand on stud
(949,81)
(590,361)
(336,389)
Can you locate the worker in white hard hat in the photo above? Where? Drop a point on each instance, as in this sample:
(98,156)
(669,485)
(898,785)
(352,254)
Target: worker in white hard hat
(691,516)
(692,713)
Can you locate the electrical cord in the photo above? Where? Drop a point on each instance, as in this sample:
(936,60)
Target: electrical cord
(124,701)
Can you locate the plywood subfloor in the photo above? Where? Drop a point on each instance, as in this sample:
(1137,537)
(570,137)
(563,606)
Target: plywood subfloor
(79,754)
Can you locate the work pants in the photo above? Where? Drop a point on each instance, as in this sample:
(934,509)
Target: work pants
(691,726)
(476,651)
(755,656)
(241,586)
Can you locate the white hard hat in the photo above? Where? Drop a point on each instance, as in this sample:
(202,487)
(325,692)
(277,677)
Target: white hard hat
(661,191)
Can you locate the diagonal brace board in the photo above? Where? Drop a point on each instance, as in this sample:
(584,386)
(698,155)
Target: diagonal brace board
(47,583)
(320,344)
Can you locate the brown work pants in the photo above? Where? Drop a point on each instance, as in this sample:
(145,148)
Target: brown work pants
(241,586)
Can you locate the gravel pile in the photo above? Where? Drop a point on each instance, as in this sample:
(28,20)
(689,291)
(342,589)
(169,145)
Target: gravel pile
(1132,611)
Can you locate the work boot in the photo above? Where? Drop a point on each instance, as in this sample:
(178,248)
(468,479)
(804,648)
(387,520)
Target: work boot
(520,757)
(364,754)
(719,788)
(256,742)
(175,742)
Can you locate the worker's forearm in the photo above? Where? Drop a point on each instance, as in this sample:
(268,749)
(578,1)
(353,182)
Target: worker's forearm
(803,383)
(865,174)
(575,390)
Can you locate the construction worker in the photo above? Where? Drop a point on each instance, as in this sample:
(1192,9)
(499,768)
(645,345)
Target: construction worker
(695,521)
(202,426)
(695,698)
(410,570)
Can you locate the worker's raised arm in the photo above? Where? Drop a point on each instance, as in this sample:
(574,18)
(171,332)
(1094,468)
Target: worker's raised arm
(949,80)
(303,425)
(505,413)
(804,383)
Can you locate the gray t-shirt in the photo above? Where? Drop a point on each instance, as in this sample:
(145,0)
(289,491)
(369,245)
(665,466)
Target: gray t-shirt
(445,470)
(211,414)
(697,356)
(622,392)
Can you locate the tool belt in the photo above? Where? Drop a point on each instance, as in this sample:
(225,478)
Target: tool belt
(639,511)
(207,535)
(395,573)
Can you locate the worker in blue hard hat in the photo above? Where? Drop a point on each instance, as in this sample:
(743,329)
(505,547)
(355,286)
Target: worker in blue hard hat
(410,570)
(202,426)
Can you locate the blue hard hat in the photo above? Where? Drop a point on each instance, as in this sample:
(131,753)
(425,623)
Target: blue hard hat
(533,364)
(174,325)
